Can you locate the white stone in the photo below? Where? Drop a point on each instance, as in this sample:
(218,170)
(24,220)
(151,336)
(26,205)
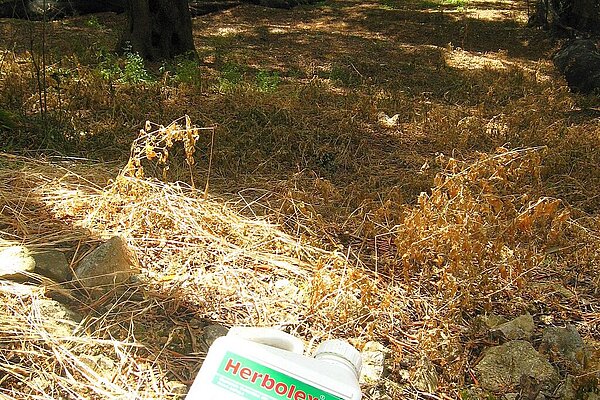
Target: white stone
(373,362)
(15,261)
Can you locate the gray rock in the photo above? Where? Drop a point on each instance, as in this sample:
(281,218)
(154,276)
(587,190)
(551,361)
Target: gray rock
(45,314)
(519,328)
(177,388)
(566,390)
(106,267)
(565,346)
(53,264)
(212,333)
(502,368)
(373,362)
(530,388)
(483,323)
(56,318)
(15,261)
(425,377)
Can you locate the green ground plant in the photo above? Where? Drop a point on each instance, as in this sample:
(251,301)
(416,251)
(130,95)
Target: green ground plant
(94,22)
(267,81)
(129,69)
(230,77)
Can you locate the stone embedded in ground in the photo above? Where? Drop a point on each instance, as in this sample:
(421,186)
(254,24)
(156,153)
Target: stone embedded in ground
(53,264)
(15,261)
(106,267)
(43,314)
(176,388)
(373,362)
(519,328)
(502,368)
(566,390)
(565,346)
(56,318)
(483,323)
(211,333)
(425,377)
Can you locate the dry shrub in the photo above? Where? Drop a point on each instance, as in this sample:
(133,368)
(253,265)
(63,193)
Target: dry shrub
(197,253)
(473,243)
(153,146)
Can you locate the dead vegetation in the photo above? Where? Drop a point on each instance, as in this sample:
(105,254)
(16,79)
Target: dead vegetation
(475,194)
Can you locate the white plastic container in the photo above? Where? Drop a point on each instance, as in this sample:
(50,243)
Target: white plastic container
(267,364)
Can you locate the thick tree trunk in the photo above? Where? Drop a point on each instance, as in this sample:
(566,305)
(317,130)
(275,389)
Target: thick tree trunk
(158,29)
(568,15)
(586,15)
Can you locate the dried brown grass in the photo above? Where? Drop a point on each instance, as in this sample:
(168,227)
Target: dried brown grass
(479,198)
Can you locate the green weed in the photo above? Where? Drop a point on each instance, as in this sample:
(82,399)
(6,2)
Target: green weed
(134,70)
(7,121)
(231,76)
(184,70)
(130,69)
(267,81)
(93,22)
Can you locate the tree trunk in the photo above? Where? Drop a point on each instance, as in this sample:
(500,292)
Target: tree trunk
(158,29)
(568,15)
(586,15)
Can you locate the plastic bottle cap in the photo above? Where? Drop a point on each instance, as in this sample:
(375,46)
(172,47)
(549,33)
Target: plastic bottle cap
(341,349)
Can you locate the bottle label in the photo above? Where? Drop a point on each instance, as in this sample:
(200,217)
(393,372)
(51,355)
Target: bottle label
(253,381)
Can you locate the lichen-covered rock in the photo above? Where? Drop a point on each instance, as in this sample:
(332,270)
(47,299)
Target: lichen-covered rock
(106,267)
(566,347)
(567,390)
(518,328)
(425,377)
(503,368)
(482,324)
(212,333)
(56,318)
(53,264)
(373,362)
